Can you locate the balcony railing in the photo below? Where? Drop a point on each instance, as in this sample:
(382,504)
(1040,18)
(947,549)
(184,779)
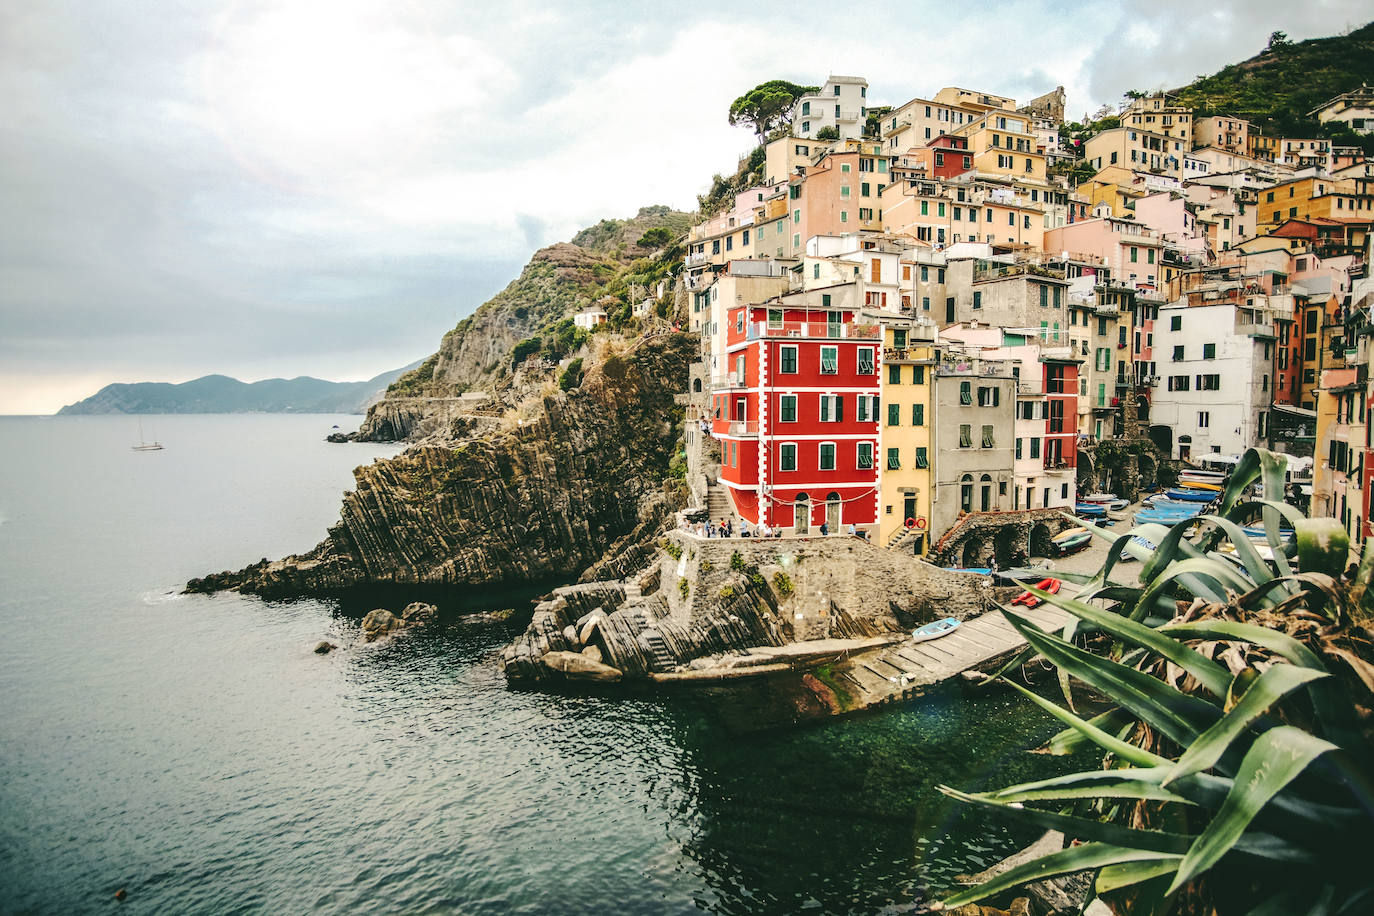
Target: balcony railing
(728,381)
(821,329)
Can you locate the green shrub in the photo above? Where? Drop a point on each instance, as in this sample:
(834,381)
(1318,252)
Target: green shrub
(525,349)
(673,550)
(728,592)
(707,566)
(572,376)
(683,588)
(737,561)
(782,584)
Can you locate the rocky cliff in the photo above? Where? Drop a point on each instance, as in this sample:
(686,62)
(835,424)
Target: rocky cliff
(542,495)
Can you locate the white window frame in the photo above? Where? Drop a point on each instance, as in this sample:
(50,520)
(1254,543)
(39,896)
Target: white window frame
(859,361)
(820,456)
(834,360)
(782,363)
(782,408)
(863,456)
(782,456)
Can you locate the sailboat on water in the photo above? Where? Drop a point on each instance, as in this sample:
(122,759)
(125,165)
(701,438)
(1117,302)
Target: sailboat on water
(143,444)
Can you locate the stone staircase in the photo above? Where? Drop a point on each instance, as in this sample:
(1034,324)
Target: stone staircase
(658,649)
(902,538)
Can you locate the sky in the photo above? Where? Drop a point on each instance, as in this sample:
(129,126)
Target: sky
(324,187)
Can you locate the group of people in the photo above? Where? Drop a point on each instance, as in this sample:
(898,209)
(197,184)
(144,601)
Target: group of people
(726,529)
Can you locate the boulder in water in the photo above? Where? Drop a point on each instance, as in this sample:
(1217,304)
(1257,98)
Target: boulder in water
(325,647)
(594,653)
(417,613)
(577,667)
(378,623)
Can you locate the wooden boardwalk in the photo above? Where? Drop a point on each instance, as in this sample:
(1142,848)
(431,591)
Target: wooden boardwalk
(980,643)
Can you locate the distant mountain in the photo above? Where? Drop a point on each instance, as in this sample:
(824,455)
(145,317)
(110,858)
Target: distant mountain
(1277,88)
(221,394)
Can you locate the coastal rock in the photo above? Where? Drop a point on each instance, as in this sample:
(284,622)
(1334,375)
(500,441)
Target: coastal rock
(324,647)
(417,613)
(378,623)
(549,494)
(593,652)
(577,667)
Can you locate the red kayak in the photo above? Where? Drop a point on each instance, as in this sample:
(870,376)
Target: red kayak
(1045,585)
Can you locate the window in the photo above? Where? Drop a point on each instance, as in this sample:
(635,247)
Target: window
(827,456)
(830,360)
(1175,322)
(1135,252)
(894,460)
(832,408)
(1209,383)
(1044,297)
(1178,353)
(987,436)
(1179,382)
(965,435)
(787,362)
(866,366)
(787,409)
(787,456)
(921,460)
(894,414)
(1035,447)
(918,375)
(1204,418)
(863,455)
(1209,351)
(894,374)
(1018,449)
(965,392)
(918,415)
(977,300)
(775,322)
(898,337)
(989,397)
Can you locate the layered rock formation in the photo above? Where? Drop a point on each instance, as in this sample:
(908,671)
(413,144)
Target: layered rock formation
(540,498)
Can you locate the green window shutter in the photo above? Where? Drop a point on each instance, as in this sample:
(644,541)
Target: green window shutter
(919,375)
(965,393)
(894,461)
(987,437)
(965,435)
(894,414)
(894,374)
(921,460)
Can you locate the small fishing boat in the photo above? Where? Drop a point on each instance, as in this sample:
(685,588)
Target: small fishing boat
(1071,541)
(1194,484)
(1110,500)
(1045,585)
(1090,510)
(934,630)
(1191,495)
(981,570)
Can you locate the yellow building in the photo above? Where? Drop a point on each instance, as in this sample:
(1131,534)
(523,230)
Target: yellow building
(1136,149)
(1315,198)
(904,424)
(1005,143)
(1158,115)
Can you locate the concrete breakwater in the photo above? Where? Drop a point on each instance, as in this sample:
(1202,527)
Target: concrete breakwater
(798,611)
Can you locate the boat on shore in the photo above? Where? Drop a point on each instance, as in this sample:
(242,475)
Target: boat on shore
(1191,495)
(934,630)
(1026,599)
(1071,541)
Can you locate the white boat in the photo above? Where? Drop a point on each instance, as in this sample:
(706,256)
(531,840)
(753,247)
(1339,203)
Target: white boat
(934,630)
(143,444)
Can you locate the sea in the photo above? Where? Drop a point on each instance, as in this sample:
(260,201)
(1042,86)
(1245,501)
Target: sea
(196,753)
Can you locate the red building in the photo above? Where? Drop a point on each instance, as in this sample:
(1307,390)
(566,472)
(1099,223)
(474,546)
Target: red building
(796,414)
(1061,426)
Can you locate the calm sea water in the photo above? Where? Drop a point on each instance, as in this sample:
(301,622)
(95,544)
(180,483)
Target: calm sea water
(194,751)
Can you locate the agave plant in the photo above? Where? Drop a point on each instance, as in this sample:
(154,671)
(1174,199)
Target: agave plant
(1237,754)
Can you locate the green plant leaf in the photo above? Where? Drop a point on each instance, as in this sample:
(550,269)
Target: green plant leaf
(1268,689)
(1273,640)
(1137,783)
(1255,464)
(1181,717)
(1115,877)
(1093,732)
(1071,739)
(1208,673)
(1275,759)
(1081,827)
(1064,862)
(1210,579)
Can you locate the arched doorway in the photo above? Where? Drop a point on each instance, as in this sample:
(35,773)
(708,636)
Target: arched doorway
(973,551)
(1148,469)
(832,512)
(985,493)
(1006,547)
(966,493)
(1142,409)
(1040,540)
(696,386)
(1163,438)
(1185,447)
(801,514)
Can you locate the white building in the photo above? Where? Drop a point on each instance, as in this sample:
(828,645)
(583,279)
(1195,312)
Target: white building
(842,103)
(589,318)
(1215,380)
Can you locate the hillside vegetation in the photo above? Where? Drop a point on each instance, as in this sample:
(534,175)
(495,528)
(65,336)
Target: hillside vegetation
(1276,88)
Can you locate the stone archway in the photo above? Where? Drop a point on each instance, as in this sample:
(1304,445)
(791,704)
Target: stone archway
(1148,469)
(1006,546)
(696,386)
(973,550)
(1040,540)
(1142,409)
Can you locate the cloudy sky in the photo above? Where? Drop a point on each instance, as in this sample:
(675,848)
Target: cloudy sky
(323,187)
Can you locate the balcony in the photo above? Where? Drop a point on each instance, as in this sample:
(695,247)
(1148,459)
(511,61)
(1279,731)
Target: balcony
(1030,390)
(748,428)
(731,380)
(813,329)
(696,260)
(1256,330)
